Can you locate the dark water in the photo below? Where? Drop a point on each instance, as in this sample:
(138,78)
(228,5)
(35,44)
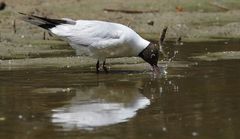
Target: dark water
(200,101)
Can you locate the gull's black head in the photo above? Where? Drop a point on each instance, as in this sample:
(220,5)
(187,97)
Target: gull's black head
(150,54)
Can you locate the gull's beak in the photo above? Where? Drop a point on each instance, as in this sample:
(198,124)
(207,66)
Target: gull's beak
(156,69)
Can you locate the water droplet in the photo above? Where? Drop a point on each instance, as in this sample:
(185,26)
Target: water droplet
(175,87)
(160,89)
(20,116)
(164,129)
(152,97)
(67,90)
(2,118)
(194,134)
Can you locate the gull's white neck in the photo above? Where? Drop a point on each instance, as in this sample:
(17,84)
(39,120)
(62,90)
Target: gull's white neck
(139,44)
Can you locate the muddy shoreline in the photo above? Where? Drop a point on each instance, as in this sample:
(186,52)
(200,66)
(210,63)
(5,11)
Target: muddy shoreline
(193,22)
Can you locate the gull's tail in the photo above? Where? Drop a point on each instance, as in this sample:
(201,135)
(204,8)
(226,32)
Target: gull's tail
(46,23)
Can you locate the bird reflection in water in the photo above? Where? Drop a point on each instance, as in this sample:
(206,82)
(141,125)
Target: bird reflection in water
(103,105)
(106,104)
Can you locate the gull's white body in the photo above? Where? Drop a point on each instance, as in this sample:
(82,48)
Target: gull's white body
(101,39)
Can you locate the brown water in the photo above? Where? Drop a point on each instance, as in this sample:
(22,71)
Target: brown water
(196,101)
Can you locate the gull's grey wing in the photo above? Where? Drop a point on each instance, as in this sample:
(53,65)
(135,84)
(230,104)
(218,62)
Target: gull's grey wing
(97,34)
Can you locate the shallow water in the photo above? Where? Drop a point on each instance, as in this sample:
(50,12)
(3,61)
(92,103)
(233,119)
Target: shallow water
(197,101)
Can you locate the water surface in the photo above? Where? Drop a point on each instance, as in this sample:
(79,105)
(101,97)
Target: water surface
(197,101)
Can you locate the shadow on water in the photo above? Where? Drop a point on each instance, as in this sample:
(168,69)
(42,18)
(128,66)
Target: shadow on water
(200,101)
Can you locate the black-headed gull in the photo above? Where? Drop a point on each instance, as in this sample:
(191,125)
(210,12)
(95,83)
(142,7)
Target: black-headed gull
(100,39)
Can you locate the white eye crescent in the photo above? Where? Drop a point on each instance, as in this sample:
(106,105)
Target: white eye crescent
(153,55)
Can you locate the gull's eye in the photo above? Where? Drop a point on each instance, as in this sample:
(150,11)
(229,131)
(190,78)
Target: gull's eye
(153,55)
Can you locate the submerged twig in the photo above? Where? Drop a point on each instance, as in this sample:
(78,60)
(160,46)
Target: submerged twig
(44,35)
(130,11)
(163,35)
(161,40)
(14,26)
(215,4)
(179,41)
